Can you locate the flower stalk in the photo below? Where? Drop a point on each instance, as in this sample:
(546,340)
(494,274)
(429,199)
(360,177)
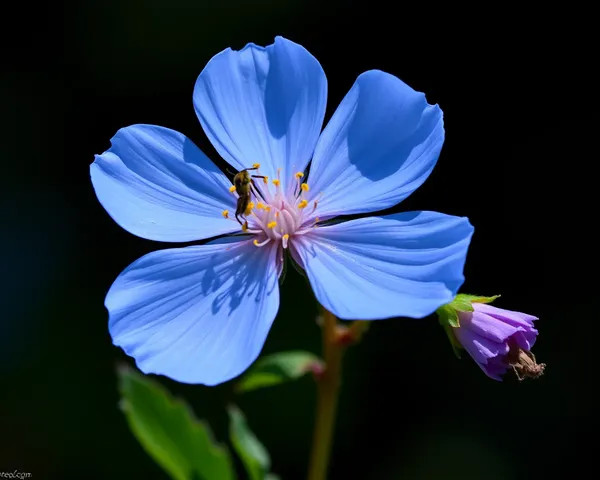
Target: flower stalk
(328,388)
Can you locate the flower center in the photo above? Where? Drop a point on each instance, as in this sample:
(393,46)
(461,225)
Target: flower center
(268,212)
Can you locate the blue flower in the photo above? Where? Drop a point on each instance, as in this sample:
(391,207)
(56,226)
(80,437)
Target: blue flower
(201,314)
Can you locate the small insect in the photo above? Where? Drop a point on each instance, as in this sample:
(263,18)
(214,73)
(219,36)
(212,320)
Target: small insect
(524,364)
(244,185)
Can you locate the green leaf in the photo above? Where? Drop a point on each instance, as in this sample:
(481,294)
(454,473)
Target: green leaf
(278,368)
(166,428)
(253,454)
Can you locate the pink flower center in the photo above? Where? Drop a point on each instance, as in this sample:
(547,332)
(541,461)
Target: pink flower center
(274,215)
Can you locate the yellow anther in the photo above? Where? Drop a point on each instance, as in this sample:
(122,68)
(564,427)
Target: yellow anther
(303,204)
(298,174)
(256,165)
(245,227)
(276,214)
(260,206)
(266,179)
(261,244)
(267,208)
(271,224)
(232,188)
(286,236)
(316,219)
(276,182)
(226,213)
(304,187)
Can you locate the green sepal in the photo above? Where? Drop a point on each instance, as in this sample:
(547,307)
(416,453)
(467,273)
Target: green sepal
(252,453)
(454,343)
(278,368)
(448,316)
(168,431)
(475,299)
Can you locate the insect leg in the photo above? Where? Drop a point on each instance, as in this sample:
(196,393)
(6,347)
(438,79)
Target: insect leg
(255,190)
(242,203)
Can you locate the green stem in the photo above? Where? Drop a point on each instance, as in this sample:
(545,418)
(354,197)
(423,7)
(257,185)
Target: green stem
(328,387)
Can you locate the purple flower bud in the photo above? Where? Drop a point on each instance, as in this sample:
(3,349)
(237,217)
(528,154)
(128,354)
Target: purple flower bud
(498,340)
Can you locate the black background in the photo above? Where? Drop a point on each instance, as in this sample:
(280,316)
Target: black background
(517,155)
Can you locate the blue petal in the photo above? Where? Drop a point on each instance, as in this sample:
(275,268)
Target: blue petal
(155,183)
(403,265)
(380,145)
(198,314)
(263,105)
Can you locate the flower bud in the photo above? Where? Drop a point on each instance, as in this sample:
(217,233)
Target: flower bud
(498,340)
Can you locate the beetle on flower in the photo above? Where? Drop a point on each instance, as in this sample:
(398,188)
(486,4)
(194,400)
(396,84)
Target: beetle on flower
(201,314)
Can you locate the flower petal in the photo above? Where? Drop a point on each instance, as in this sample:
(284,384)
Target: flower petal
(263,105)
(406,264)
(526,339)
(198,314)
(488,327)
(480,348)
(509,316)
(380,146)
(489,355)
(155,183)
(496,367)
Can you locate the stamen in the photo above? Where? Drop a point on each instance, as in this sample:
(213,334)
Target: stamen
(316,202)
(278,215)
(232,188)
(256,165)
(261,244)
(226,213)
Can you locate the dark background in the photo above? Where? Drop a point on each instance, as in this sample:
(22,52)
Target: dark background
(514,162)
